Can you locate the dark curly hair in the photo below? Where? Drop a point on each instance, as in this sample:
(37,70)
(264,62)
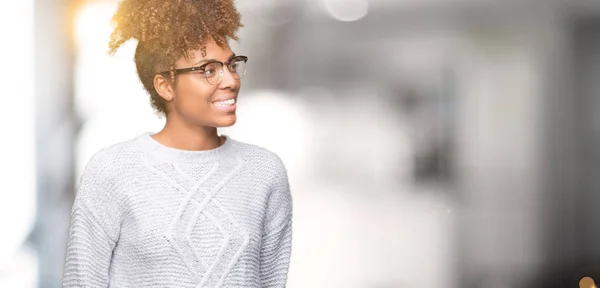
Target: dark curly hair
(167,29)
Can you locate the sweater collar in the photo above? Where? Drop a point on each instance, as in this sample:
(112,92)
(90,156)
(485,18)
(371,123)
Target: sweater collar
(155,149)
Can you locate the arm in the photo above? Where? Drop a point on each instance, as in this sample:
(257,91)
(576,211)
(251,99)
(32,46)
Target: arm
(277,237)
(93,230)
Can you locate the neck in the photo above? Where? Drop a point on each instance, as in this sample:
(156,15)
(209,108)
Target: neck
(180,135)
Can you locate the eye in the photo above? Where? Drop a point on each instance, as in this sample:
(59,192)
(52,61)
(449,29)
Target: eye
(211,70)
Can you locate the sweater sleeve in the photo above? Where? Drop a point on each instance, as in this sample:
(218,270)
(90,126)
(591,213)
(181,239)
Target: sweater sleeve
(93,229)
(276,244)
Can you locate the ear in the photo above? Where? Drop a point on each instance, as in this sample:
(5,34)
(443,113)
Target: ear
(164,87)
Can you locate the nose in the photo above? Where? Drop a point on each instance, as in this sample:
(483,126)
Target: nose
(229,82)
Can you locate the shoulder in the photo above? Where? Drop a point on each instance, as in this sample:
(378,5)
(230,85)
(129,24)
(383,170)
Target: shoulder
(111,161)
(105,173)
(100,190)
(261,158)
(267,167)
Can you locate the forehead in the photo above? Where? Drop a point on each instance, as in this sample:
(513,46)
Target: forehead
(213,50)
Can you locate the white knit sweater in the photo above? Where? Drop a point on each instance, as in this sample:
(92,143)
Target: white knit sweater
(147,215)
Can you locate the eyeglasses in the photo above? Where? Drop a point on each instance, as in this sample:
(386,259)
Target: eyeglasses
(213,71)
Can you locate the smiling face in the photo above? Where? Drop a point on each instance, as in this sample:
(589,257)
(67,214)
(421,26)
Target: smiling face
(196,97)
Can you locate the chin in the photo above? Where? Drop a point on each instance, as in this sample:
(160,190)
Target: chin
(225,121)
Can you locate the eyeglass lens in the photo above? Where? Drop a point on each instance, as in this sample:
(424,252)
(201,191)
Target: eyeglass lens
(214,71)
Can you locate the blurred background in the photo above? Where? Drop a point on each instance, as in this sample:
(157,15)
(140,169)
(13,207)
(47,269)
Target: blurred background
(429,143)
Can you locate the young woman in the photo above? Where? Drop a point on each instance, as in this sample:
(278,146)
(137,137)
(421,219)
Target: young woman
(183,207)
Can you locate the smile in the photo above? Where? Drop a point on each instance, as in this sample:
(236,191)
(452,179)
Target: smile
(224,103)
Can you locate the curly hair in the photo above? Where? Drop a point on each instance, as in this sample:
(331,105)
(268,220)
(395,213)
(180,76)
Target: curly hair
(168,30)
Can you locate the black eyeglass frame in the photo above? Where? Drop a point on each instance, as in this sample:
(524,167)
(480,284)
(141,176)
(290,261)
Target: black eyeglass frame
(203,66)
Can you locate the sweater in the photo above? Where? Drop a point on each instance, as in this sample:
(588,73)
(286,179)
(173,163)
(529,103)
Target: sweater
(148,215)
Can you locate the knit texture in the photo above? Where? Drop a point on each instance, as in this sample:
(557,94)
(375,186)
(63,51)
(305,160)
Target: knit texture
(147,215)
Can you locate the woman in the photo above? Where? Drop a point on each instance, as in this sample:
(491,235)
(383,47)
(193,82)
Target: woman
(183,207)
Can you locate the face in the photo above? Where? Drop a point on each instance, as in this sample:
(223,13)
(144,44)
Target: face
(197,100)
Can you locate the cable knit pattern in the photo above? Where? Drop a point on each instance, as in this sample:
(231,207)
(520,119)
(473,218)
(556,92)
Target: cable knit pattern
(147,215)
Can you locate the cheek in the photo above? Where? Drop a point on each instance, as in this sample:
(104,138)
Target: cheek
(194,94)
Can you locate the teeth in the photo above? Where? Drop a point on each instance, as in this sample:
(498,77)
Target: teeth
(225,102)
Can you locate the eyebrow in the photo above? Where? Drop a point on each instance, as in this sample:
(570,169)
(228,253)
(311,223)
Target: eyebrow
(212,60)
